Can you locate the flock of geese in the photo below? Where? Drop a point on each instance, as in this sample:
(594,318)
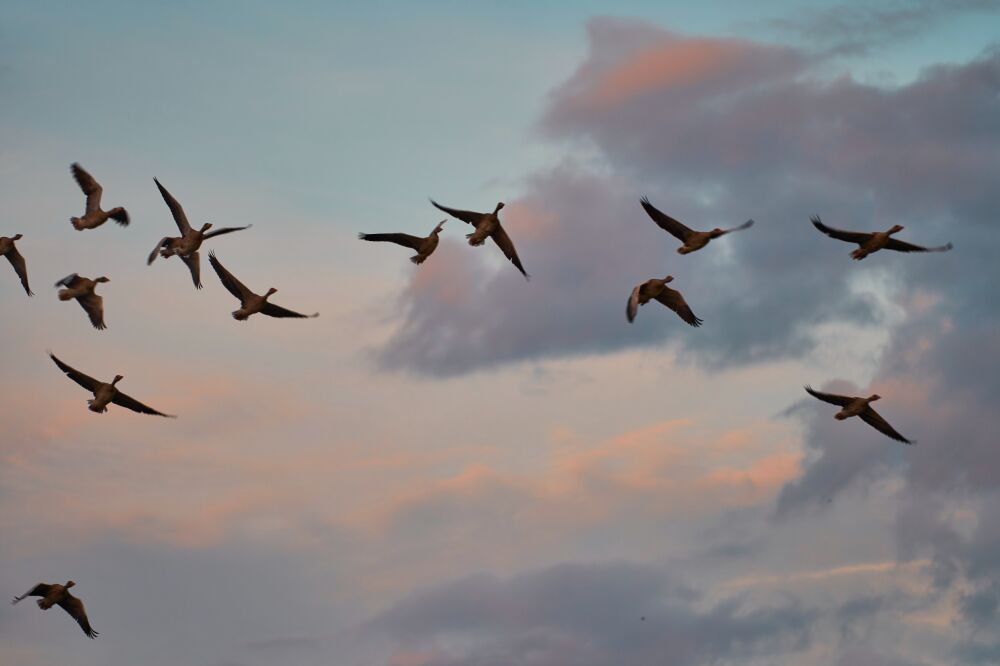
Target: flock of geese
(186,246)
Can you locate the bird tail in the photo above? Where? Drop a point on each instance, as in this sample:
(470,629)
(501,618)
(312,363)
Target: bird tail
(44,604)
(94,408)
(75,221)
(418,259)
(239,316)
(65,295)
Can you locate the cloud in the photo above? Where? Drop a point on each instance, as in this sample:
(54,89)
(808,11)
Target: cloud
(715,131)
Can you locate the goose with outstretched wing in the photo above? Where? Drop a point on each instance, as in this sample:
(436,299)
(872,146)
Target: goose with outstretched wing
(692,240)
(9,249)
(860,407)
(487,225)
(58,595)
(424,246)
(251,303)
(93,215)
(873,241)
(105,393)
(656,289)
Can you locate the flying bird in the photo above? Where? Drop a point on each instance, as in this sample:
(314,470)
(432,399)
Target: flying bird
(487,225)
(94,216)
(105,393)
(56,594)
(424,246)
(658,289)
(869,242)
(250,303)
(187,244)
(8,249)
(693,240)
(854,406)
(82,289)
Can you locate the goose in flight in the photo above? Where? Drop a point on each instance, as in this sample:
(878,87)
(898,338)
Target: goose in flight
(487,225)
(854,406)
(424,246)
(869,242)
(105,393)
(250,303)
(94,217)
(658,289)
(82,289)
(693,240)
(56,594)
(9,250)
(187,244)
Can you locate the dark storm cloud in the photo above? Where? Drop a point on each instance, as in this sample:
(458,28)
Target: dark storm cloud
(715,131)
(587,615)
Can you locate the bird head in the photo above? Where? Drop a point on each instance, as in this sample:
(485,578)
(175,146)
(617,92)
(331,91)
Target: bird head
(896,229)
(205,227)
(716,232)
(117,379)
(669,278)
(499,206)
(103,279)
(874,397)
(440,225)
(15,237)
(683,250)
(70,584)
(270,291)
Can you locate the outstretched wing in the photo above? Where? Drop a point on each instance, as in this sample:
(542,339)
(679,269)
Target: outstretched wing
(89,186)
(156,250)
(406,240)
(632,308)
(234,286)
(20,267)
(175,209)
(903,246)
(83,380)
(504,242)
(665,222)
(846,236)
(74,607)
(128,402)
(833,399)
(272,310)
(224,230)
(875,420)
(675,301)
(39,590)
(193,262)
(745,225)
(469,216)
(93,305)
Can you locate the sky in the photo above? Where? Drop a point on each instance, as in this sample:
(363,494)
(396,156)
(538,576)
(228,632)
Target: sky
(453,466)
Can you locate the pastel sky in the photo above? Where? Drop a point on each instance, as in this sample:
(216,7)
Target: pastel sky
(452,466)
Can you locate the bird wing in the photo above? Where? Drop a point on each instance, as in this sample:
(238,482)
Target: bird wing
(89,186)
(272,310)
(875,420)
(504,242)
(156,250)
(39,590)
(69,281)
(665,222)
(20,267)
(847,236)
(74,607)
(903,246)
(224,230)
(234,286)
(675,301)
(745,225)
(193,262)
(128,402)
(633,304)
(93,304)
(833,399)
(175,209)
(406,240)
(469,216)
(83,380)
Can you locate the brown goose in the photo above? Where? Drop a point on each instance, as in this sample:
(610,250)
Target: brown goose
(693,240)
(854,406)
(869,242)
(94,216)
(250,303)
(487,225)
(424,246)
(105,393)
(53,594)
(8,250)
(658,289)
(187,244)
(82,289)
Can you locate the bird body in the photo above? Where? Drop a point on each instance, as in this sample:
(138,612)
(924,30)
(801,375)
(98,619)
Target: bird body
(860,407)
(82,289)
(657,289)
(424,246)
(59,595)
(870,242)
(93,215)
(487,225)
(692,240)
(186,245)
(105,393)
(9,250)
(251,303)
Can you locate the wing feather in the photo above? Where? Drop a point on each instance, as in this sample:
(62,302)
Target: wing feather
(128,402)
(175,209)
(89,186)
(20,267)
(875,420)
(832,398)
(83,380)
(229,281)
(846,236)
(406,240)
(469,216)
(674,300)
(665,222)
(93,305)
(74,607)
(903,246)
(193,262)
(272,310)
(504,242)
